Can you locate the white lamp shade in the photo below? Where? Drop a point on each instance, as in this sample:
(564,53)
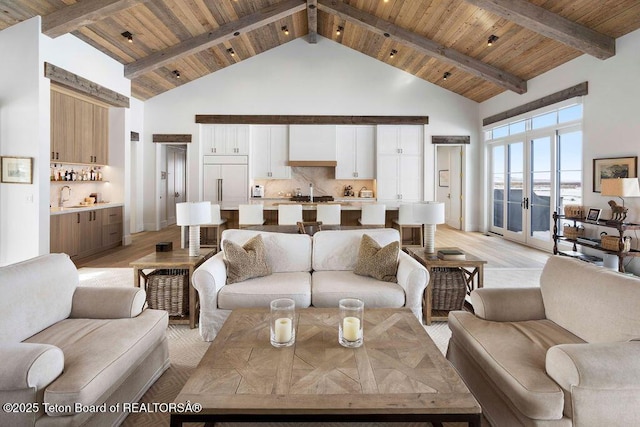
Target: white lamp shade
(193,213)
(620,187)
(429,212)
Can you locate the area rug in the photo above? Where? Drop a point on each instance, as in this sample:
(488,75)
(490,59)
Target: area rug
(186,348)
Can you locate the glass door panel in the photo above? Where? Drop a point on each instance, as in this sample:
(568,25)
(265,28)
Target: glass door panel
(515,187)
(497,183)
(538,202)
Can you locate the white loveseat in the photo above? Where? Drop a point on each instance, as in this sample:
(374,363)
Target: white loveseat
(63,345)
(313,271)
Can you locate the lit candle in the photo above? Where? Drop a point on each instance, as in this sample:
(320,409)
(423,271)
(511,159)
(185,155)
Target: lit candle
(283,330)
(351,328)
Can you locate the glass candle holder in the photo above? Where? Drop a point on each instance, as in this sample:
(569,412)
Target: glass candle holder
(350,328)
(282,329)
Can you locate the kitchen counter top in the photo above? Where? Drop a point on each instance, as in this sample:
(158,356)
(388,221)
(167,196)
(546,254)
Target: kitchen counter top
(72,209)
(272,204)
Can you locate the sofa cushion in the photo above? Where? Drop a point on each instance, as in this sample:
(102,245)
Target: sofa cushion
(99,354)
(286,252)
(338,249)
(30,304)
(513,355)
(259,292)
(329,287)
(573,289)
(381,263)
(246,261)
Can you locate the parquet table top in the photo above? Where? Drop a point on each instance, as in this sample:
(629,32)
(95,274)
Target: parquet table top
(398,373)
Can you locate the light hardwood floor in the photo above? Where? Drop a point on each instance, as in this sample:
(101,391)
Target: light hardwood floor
(498,252)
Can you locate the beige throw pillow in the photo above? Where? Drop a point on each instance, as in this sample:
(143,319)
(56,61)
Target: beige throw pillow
(247,261)
(374,261)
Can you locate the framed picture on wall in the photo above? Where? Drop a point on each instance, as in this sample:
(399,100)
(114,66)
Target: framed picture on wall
(614,167)
(443,178)
(16,170)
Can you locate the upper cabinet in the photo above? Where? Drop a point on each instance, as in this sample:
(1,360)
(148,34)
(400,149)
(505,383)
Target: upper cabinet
(270,152)
(312,145)
(225,139)
(399,166)
(355,147)
(79,130)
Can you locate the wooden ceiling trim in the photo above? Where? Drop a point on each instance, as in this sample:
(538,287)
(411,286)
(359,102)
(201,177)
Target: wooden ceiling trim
(424,45)
(165,138)
(451,139)
(81,14)
(551,25)
(577,90)
(82,85)
(310,120)
(222,34)
(312,20)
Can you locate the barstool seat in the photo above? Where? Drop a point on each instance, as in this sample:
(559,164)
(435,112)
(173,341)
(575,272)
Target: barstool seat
(249,215)
(405,222)
(216,225)
(373,215)
(328,214)
(289,214)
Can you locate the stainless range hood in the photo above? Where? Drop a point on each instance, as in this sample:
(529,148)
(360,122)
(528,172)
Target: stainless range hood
(312,145)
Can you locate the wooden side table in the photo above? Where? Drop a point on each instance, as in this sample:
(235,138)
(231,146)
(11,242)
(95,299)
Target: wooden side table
(176,259)
(472,267)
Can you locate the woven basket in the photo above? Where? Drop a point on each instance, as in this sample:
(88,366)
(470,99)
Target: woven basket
(612,243)
(169,290)
(571,232)
(449,288)
(574,211)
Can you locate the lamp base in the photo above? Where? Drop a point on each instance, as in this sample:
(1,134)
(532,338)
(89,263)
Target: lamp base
(429,238)
(194,240)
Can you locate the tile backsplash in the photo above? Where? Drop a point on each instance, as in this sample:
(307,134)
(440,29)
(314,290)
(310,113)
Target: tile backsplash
(323,179)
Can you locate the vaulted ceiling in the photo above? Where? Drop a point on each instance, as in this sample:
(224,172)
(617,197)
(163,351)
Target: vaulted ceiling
(428,38)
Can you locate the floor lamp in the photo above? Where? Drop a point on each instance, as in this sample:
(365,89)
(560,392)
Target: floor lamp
(193,214)
(429,214)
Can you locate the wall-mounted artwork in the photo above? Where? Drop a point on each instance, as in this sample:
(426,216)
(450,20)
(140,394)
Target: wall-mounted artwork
(443,178)
(614,167)
(16,170)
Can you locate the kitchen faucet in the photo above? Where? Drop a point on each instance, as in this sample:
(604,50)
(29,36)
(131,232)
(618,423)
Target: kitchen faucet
(311,192)
(62,200)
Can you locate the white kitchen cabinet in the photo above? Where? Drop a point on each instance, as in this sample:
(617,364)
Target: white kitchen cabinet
(270,152)
(224,139)
(225,178)
(312,143)
(355,147)
(399,163)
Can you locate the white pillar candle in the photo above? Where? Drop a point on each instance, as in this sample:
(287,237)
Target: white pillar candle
(283,330)
(351,328)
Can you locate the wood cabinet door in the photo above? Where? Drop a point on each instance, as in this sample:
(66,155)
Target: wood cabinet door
(101,135)
(62,127)
(83,152)
(64,234)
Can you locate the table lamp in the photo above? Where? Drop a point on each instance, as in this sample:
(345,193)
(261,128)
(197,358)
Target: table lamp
(193,214)
(619,187)
(429,214)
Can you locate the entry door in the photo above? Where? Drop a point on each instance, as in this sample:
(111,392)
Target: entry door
(449,183)
(176,180)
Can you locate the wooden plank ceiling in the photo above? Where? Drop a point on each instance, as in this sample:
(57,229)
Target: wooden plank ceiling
(429,38)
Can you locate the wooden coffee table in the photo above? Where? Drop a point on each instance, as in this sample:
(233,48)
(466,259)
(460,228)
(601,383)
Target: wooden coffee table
(397,375)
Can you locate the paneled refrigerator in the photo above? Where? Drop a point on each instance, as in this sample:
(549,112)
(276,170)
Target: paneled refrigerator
(226,178)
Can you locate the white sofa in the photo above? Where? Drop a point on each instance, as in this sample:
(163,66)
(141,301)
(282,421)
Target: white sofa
(62,345)
(313,271)
(562,354)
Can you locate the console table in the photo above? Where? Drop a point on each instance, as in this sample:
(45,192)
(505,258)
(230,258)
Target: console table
(472,267)
(175,259)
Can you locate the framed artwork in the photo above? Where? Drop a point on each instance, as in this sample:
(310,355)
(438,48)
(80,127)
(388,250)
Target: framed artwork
(443,178)
(594,214)
(16,170)
(615,167)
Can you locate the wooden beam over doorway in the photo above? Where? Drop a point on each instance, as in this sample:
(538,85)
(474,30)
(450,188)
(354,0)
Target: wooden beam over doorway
(424,45)
(222,34)
(164,138)
(551,25)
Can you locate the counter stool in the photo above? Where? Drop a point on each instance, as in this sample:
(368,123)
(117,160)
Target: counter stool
(249,215)
(373,215)
(289,214)
(328,214)
(216,225)
(404,222)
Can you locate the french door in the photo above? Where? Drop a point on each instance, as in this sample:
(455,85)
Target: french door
(522,188)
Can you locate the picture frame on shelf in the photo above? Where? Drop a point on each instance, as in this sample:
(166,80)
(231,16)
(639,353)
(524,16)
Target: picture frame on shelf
(16,170)
(613,167)
(594,214)
(443,178)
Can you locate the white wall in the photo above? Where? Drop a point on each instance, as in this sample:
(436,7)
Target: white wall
(611,110)
(25,125)
(301,78)
(135,175)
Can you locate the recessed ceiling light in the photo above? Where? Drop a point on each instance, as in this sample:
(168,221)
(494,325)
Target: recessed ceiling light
(339,30)
(176,74)
(492,39)
(393,53)
(446,75)
(128,36)
(231,51)
(285,30)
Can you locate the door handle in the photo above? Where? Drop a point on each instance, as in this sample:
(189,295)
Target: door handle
(219,189)
(525,203)
(177,194)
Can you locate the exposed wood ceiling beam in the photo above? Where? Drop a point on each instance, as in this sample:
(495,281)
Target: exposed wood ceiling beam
(551,25)
(81,14)
(220,35)
(424,45)
(312,20)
